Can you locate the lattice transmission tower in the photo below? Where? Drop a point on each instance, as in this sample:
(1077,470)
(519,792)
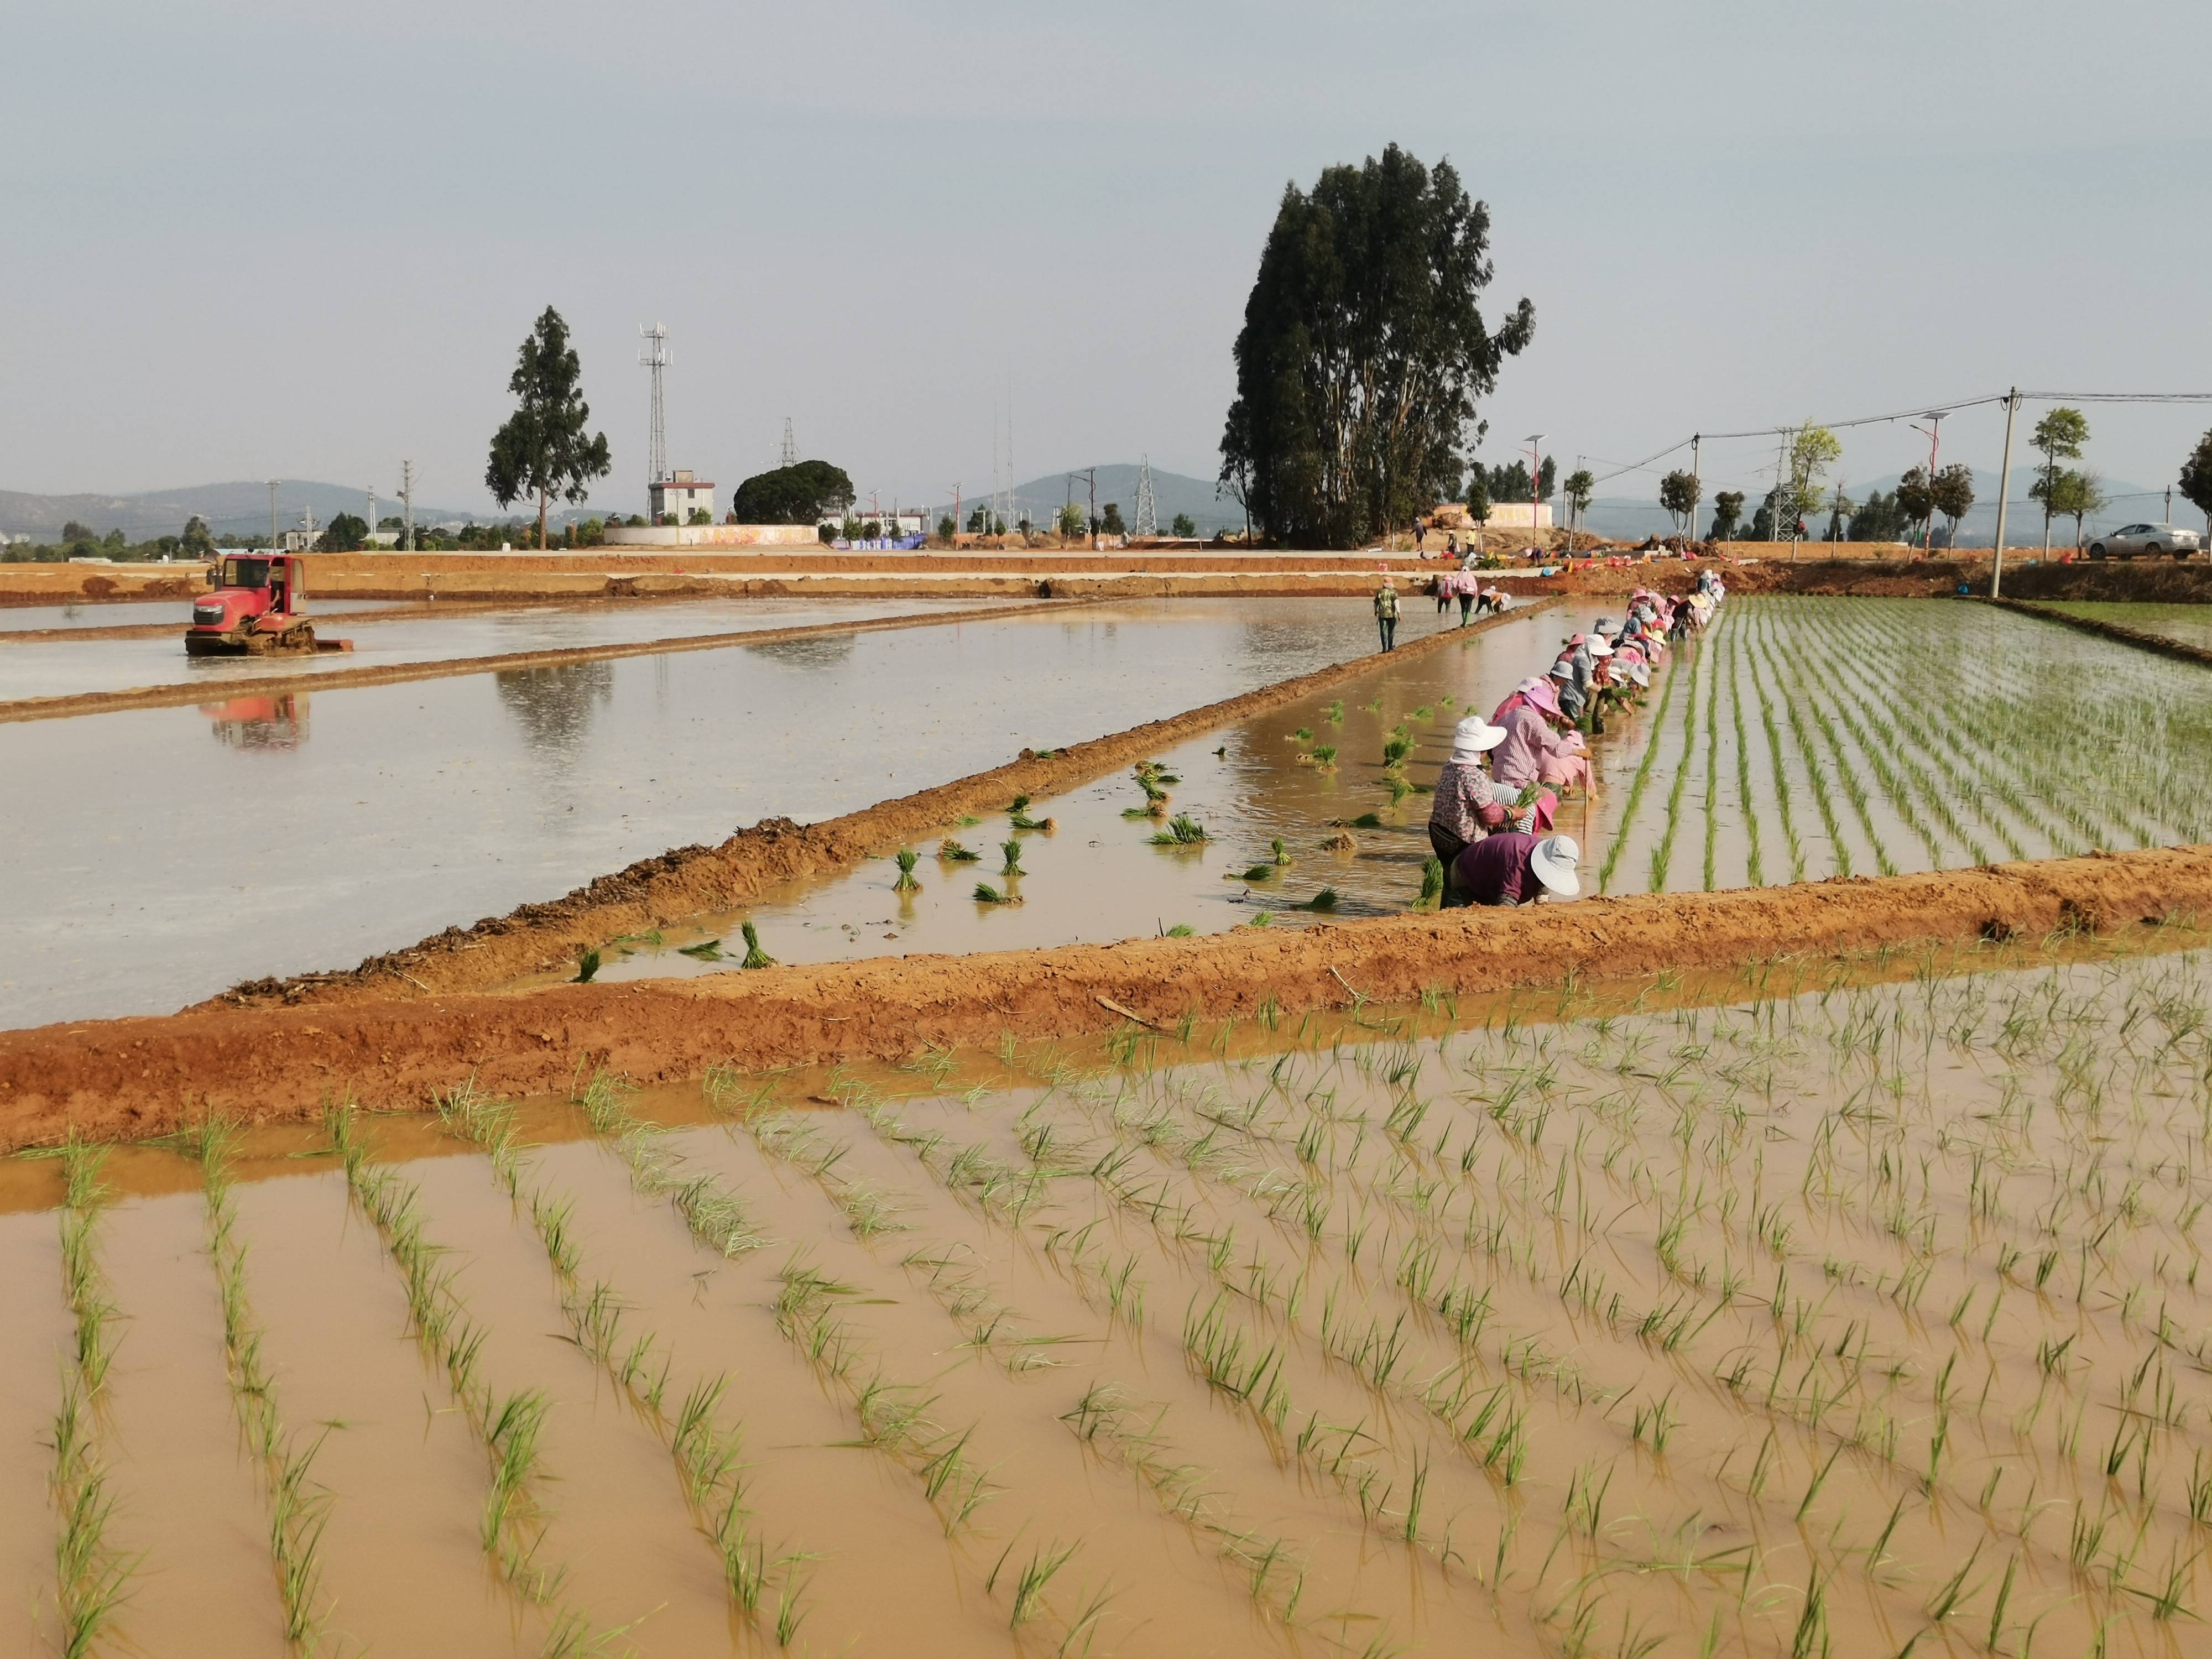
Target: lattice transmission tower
(1147,519)
(790,452)
(655,357)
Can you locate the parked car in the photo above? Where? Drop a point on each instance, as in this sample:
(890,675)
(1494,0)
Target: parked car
(2131,539)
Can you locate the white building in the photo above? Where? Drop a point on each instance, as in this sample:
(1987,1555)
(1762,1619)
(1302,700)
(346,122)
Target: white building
(675,498)
(907,521)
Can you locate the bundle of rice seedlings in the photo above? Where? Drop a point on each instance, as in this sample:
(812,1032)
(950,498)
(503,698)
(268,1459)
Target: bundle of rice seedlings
(1303,734)
(754,957)
(1395,750)
(1181,930)
(1367,821)
(1324,900)
(1018,816)
(1399,788)
(907,858)
(587,967)
(1282,853)
(951,852)
(1262,919)
(1259,873)
(987,893)
(1433,883)
(1182,830)
(705,951)
(1012,849)
(1324,757)
(1342,842)
(1335,712)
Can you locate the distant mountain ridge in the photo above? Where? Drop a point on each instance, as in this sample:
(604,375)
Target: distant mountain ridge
(234,509)
(1174,492)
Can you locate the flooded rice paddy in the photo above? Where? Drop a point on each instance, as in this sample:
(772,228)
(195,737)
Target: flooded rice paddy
(1098,874)
(1860,1316)
(160,855)
(27,618)
(49,668)
(2191,624)
(1806,738)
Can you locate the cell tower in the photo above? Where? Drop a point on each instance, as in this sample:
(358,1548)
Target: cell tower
(790,456)
(655,357)
(407,505)
(1147,520)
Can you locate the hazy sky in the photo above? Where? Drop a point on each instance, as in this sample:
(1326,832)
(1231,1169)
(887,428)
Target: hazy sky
(251,239)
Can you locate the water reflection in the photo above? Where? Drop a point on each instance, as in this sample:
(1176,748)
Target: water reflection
(278,722)
(815,651)
(555,705)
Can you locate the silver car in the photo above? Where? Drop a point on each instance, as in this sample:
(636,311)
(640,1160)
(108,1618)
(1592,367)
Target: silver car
(2153,539)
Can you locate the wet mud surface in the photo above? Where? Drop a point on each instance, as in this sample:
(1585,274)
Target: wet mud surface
(1833,1310)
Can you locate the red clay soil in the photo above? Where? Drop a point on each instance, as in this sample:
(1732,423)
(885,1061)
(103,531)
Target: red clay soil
(334,679)
(690,881)
(133,1078)
(2143,639)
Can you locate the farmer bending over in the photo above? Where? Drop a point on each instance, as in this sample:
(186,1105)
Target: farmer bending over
(1510,869)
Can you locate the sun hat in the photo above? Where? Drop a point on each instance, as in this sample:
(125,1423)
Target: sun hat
(1474,736)
(1553,861)
(1639,673)
(1561,671)
(1600,646)
(1604,625)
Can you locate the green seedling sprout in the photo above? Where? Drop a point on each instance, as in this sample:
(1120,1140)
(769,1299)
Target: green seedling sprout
(1018,815)
(1367,821)
(987,893)
(1324,757)
(706,949)
(754,957)
(951,852)
(1282,853)
(1258,872)
(588,966)
(1181,930)
(1324,900)
(1012,850)
(1433,883)
(1182,830)
(907,858)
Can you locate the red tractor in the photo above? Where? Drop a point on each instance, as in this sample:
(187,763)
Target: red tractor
(258,606)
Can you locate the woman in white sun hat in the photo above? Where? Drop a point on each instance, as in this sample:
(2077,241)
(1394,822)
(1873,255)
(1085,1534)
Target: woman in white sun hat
(1468,804)
(1512,869)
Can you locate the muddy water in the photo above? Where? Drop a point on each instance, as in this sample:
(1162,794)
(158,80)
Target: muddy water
(2191,624)
(26,618)
(1802,1323)
(67,667)
(160,855)
(39,1335)
(1097,876)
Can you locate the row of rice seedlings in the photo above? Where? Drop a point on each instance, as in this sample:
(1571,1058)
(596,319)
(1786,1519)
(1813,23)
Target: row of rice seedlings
(1724,676)
(507,1427)
(893,1417)
(1755,869)
(707,1455)
(1662,851)
(299,1506)
(92,1577)
(1642,778)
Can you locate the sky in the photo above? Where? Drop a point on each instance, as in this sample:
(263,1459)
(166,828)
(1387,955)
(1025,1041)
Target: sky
(253,239)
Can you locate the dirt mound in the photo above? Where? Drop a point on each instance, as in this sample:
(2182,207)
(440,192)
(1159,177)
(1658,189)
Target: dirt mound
(138,1077)
(688,881)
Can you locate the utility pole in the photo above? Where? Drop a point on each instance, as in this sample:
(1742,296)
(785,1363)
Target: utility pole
(407,505)
(1535,482)
(372,509)
(2004,486)
(1935,431)
(1774,514)
(1697,439)
(272,514)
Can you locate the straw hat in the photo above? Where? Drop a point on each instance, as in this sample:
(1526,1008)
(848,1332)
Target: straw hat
(1553,861)
(1475,736)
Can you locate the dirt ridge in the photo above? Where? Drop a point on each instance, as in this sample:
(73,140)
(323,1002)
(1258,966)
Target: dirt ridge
(2141,638)
(697,879)
(337,679)
(133,1078)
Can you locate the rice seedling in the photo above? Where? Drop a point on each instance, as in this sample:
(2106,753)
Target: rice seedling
(754,957)
(1335,712)
(1280,852)
(1325,899)
(1017,816)
(1182,830)
(1303,734)
(1257,872)
(1324,757)
(706,949)
(907,858)
(1433,883)
(1262,918)
(987,893)
(951,852)
(588,966)
(1013,852)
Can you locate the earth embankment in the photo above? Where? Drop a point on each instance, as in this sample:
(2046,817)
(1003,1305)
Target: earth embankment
(135,1078)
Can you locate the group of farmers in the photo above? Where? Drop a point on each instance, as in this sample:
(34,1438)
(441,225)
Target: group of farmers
(1491,821)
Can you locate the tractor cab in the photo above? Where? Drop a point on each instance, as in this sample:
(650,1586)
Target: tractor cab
(258,605)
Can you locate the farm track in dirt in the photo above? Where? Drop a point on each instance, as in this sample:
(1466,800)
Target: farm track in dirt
(688,881)
(127,1079)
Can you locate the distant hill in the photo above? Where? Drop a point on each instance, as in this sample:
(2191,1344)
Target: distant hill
(233,508)
(1176,492)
